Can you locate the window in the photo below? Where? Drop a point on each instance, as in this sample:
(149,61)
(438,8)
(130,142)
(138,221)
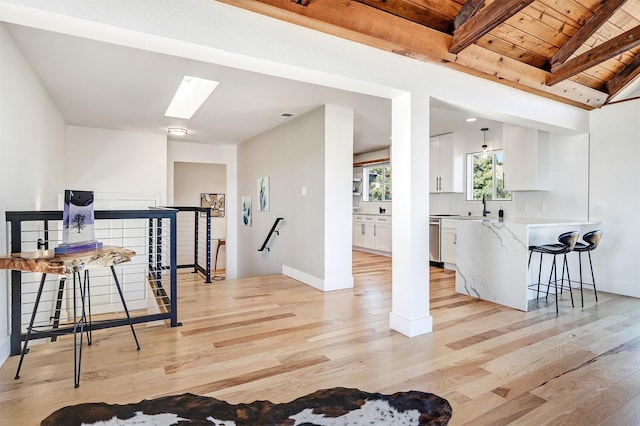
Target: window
(376,180)
(485,176)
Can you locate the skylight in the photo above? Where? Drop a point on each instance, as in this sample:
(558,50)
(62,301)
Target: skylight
(191,94)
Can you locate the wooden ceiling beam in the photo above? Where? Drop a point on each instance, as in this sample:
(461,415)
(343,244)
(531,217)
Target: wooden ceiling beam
(595,56)
(484,21)
(468,10)
(362,24)
(601,16)
(624,77)
(412,12)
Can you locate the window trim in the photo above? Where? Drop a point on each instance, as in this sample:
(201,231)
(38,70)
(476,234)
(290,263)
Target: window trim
(365,181)
(494,180)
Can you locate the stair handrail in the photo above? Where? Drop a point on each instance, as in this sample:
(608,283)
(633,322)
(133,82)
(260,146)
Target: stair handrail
(271,232)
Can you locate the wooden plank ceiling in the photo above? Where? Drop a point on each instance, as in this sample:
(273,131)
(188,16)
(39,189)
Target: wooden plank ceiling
(581,52)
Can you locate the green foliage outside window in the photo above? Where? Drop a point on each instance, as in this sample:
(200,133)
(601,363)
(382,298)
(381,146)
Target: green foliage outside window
(378,179)
(486,175)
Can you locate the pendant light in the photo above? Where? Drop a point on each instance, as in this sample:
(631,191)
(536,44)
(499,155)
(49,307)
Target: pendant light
(484,138)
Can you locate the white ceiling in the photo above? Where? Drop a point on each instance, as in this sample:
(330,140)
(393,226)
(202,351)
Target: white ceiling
(102,85)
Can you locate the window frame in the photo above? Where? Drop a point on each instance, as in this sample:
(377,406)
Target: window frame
(494,180)
(386,181)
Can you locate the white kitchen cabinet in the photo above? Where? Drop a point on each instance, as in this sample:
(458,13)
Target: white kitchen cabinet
(446,164)
(364,231)
(526,159)
(369,233)
(372,232)
(359,232)
(382,233)
(448,241)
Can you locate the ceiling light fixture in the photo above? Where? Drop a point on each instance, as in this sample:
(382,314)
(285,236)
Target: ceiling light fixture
(178,131)
(470,119)
(190,96)
(484,138)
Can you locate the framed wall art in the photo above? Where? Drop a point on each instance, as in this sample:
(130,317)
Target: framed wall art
(213,201)
(246,210)
(263,194)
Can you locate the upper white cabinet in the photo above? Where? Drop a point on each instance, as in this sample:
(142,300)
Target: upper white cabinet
(526,159)
(446,164)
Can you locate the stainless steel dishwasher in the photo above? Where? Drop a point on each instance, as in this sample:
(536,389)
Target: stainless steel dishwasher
(434,239)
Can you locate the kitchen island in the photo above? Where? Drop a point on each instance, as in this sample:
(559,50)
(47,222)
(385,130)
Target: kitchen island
(492,256)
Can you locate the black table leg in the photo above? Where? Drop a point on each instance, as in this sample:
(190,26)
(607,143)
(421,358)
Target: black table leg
(124,305)
(33,317)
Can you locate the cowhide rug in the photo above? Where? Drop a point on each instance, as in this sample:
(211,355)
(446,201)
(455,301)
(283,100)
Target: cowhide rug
(337,406)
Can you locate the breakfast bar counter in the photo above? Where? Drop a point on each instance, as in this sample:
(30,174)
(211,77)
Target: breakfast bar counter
(492,256)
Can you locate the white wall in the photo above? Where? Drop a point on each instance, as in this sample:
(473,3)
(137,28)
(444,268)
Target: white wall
(615,195)
(32,164)
(302,158)
(192,152)
(338,199)
(191,180)
(96,162)
(292,155)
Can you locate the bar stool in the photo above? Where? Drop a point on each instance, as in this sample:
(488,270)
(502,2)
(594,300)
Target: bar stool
(566,243)
(591,241)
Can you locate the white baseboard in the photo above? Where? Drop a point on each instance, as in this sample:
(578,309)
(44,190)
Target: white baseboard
(339,283)
(411,328)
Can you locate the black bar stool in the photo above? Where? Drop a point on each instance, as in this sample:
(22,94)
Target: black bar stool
(591,241)
(566,243)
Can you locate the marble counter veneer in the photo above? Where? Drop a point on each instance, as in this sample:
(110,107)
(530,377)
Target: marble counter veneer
(46,261)
(492,256)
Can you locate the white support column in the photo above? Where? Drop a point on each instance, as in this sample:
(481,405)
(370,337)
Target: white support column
(410,219)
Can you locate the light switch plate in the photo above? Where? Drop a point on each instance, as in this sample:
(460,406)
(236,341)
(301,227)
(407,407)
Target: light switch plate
(303,191)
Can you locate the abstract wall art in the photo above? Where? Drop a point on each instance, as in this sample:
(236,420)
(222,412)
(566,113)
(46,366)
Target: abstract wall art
(263,194)
(246,210)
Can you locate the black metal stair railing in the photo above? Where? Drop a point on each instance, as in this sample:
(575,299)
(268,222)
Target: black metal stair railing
(197,264)
(30,230)
(271,232)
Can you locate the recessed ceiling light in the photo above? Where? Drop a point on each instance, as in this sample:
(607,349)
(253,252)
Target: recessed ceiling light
(287,115)
(470,119)
(178,131)
(191,93)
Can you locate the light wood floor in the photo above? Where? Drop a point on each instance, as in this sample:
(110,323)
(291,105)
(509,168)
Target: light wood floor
(274,338)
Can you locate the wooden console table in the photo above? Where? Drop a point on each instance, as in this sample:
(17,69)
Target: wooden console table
(47,262)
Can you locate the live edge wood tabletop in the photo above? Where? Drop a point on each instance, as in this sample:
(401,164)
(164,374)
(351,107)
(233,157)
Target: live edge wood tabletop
(47,262)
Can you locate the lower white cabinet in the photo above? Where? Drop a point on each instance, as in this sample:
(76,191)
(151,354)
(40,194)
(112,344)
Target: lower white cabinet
(382,234)
(448,242)
(372,232)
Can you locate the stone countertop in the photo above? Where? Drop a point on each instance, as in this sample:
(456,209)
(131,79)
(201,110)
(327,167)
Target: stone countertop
(372,214)
(492,257)
(528,221)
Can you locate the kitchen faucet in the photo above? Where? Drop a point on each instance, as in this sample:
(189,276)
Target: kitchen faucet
(485,212)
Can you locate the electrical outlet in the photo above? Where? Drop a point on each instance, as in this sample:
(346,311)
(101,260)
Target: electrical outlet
(542,207)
